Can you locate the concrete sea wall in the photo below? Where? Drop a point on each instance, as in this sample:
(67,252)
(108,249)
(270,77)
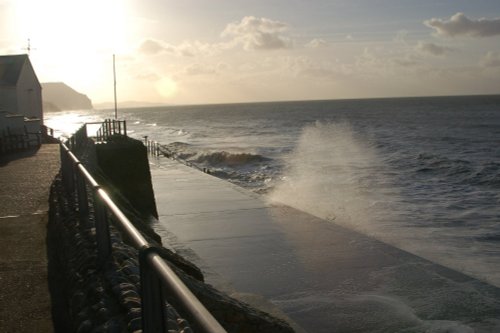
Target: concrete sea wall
(88,297)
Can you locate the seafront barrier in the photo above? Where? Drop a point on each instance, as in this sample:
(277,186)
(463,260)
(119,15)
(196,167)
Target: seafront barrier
(104,273)
(322,276)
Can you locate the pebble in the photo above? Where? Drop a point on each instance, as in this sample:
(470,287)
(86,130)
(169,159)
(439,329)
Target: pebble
(135,324)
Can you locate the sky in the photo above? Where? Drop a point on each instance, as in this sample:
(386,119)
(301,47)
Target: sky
(231,51)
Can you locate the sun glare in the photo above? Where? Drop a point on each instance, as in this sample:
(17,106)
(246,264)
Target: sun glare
(166,87)
(86,26)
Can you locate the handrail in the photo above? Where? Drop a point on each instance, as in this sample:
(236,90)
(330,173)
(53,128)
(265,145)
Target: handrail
(47,131)
(153,147)
(155,274)
(111,127)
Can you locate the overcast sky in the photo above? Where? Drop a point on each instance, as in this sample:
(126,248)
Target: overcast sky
(219,51)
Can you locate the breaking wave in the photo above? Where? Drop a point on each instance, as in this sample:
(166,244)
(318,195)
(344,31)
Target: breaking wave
(337,175)
(224,158)
(253,171)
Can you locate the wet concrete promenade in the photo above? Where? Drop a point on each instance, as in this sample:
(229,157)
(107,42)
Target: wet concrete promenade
(25,180)
(324,277)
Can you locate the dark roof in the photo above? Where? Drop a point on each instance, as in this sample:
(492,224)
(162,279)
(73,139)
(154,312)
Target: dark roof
(10,68)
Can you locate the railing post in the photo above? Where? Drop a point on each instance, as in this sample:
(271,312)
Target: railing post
(70,175)
(153,311)
(124,128)
(83,205)
(101,229)
(85,135)
(64,166)
(109,129)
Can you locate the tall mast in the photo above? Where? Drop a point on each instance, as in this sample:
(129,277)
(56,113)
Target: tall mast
(114,80)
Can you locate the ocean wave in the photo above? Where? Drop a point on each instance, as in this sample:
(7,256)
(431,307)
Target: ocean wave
(252,171)
(178,150)
(489,174)
(430,163)
(223,158)
(459,171)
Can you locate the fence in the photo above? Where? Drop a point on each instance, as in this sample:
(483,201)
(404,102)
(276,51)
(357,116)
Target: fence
(153,147)
(47,131)
(158,280)
(111,127)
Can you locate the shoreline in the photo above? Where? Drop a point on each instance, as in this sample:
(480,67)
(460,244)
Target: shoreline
(309,267)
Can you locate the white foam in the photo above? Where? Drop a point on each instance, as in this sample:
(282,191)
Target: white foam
(330,174)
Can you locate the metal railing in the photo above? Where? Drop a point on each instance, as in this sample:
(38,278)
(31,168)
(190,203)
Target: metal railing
(158,280)
(153,147)
(111,127)
(47,131)
(78,139)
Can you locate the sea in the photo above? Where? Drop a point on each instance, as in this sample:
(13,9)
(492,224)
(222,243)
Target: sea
(419,173)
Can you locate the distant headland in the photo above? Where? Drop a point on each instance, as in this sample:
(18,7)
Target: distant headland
(58,96)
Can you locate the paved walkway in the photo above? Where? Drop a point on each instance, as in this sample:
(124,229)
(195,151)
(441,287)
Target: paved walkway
(325,277)
(24,193)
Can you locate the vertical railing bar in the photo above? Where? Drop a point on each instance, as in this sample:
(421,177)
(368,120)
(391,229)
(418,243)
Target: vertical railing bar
(101,228)
(83,205)
(154,316)
(71,175)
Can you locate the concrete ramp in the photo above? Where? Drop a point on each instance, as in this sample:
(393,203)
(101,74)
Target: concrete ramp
(324,277)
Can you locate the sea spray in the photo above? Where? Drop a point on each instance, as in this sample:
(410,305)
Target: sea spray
(335,173)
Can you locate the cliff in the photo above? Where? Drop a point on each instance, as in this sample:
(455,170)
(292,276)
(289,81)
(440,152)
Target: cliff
(59,96)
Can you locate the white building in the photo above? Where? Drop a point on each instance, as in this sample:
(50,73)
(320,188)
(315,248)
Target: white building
(20,90)
(21,110)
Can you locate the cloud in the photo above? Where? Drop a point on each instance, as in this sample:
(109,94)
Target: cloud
(406,62)
(317,43)
(185,49)
(460,25)
(304,66)
(199,69)
(401,36)
(252,32)
(258,33)
(432,49)
(151,47)
(147,77)
(491,59)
